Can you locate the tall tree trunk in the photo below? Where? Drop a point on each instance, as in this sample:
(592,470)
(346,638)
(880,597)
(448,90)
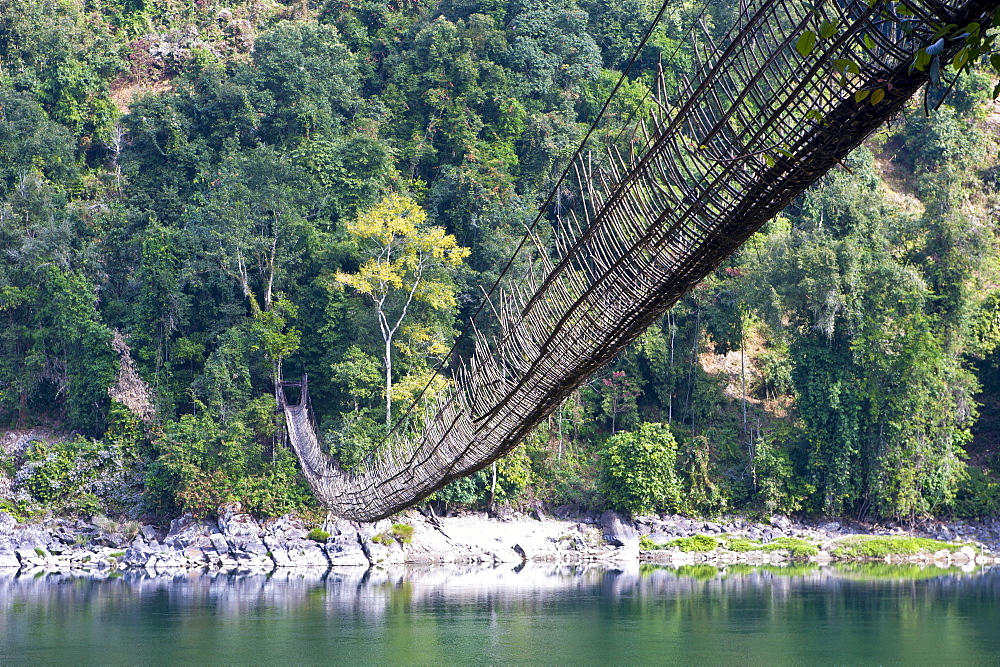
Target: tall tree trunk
(388,383)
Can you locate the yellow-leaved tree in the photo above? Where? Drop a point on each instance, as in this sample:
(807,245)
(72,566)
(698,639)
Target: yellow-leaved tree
(405,261)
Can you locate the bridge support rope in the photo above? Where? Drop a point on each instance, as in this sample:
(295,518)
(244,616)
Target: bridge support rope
(757,123)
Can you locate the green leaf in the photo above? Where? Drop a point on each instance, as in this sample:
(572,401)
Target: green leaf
(827,29)
(877,96)
(972,29)
(960,59)
(784,152)
(869,42)
(996,91)
(768,160)
(845,65)
(944,30)
(806,43)
(995,61)
(861,95)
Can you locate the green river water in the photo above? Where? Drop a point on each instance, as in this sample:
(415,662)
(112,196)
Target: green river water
(852,614)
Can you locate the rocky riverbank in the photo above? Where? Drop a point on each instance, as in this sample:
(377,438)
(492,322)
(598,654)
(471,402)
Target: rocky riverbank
(237,542)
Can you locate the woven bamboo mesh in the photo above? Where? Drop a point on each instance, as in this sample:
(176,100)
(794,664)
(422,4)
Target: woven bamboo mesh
(755,124)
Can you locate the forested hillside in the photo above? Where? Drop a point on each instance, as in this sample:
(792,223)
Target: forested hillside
(200,198)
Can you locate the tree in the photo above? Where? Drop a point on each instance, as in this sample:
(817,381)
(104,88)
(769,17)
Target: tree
(404,262)
(637,470)
(311,76)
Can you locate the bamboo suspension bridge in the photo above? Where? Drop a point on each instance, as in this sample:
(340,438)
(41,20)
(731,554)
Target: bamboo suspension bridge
(789,92)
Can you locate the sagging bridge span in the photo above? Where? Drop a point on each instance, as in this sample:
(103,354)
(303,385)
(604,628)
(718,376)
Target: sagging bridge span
(760,119)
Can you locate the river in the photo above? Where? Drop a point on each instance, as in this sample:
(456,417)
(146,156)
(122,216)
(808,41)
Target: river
(872,614)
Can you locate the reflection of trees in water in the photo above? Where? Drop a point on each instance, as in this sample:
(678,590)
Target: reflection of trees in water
(373,595)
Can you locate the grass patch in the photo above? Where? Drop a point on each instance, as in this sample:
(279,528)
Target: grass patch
(116,554)
(400,532)
(865,546)
(647,544)
(695,543)
(403,532)
(795,547)
(318,535)
(40,551)
(742,544)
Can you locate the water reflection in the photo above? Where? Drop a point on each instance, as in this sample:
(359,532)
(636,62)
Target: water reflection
(535,613)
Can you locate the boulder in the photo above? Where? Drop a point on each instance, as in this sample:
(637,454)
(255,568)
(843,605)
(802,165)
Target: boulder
(276,550)
(25,536)
(343,547)
(243,548)
(781,522)
(945,534)
(219,543)
(7,523)
(288,528)
(234,523)
(616,532)
(9,559)
(187,533)
(139,554)
(307,553)
(346,552)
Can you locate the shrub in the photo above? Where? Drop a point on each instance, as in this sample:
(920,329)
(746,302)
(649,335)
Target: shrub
(796,548)
(637,470)
(383,538)
(318,535)
(647,544)
(702,496)
(695,543)
(202,463)
(742,544)
(399,532)
(861,546)
(105,526)
(977,497)
(130,529)
(402,532)
(81,474)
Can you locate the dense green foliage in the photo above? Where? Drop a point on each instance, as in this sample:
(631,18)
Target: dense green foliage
(638,470)
(200,178)
(862,546)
